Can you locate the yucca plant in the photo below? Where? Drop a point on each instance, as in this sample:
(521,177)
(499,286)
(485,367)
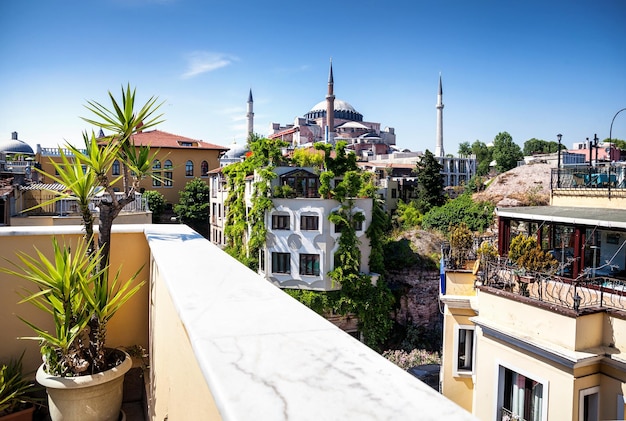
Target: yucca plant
(16,391)
(76,292)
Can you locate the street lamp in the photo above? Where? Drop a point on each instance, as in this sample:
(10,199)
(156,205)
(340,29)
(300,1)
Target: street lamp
(611,129)
(558,165)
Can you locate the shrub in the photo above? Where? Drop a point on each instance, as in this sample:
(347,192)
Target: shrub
(156,203)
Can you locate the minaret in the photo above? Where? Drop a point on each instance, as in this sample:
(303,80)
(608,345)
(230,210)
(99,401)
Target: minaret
(439,148)
(330,107)
(250,114)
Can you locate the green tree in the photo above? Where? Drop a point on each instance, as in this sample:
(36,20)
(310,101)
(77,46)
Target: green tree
(465,149)
(483,157)
(193,206)
(407,215)
(156,204)
(534,146)
(307,158)
(478,216)
(430,184)
(506,152)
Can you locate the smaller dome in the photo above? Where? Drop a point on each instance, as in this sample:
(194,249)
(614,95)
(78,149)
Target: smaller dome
(235,150)
(14,145)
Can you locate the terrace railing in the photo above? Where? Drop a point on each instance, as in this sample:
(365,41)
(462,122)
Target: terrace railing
(585,292)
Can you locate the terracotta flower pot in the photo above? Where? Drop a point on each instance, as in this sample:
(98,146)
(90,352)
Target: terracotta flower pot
(96,397)
(23,415)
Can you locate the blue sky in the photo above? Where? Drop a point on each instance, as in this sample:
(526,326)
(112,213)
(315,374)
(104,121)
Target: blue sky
(533,68)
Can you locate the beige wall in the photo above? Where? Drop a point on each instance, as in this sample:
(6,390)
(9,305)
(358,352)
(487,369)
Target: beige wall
(459,389)
(48,221)
(127,328)
(178,384)
(590,198)
(460,283)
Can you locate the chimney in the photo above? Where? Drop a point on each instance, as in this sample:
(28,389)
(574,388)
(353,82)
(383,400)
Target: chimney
(14,136)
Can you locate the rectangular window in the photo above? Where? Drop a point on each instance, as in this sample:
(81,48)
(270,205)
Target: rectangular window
(280,222)
(358,225)
(589,404)
(394,193)
(310,264)
(464,358)
(156,180)
(167,179)
(521,396)
(262,260)
(309,222)
(280,263)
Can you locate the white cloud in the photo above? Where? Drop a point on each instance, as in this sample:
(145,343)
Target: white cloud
(199,62)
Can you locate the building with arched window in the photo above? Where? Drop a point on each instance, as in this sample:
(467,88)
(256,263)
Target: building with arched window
(178,160)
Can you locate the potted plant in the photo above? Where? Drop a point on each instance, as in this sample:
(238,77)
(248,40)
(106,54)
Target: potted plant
(82,377)
(530,259)
(16,392)
(75,286)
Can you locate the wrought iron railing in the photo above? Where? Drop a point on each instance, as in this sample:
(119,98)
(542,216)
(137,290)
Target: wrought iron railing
(69,206)
(506,415)
(589,177)
(578,294)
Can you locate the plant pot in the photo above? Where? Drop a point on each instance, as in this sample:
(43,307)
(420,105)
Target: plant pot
(96,397)
(23,415)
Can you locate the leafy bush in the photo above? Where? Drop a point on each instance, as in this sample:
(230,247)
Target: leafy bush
(478,216)
(156,203)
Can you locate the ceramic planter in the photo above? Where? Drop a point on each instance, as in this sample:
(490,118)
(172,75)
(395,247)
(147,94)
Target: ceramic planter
(96,397)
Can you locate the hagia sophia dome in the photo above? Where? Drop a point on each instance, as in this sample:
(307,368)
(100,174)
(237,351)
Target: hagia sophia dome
(343,110)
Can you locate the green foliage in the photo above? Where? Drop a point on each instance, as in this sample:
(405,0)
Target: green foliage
(307,158)
(483,157)
(398,253)
(156,203)
(537,146)
(487,251)
(506,152)
(407,215)
(193,205)
(376,233)
(430,185)
(464,149)
(526,253)
(476,183)
(15,390)
(461,236)
(77,293)
(478,216)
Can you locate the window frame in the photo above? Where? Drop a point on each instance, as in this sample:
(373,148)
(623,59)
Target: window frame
(278,221)
(314,260)
(501,368)
(462,371)
(306,223)
(189,168)
(280,259)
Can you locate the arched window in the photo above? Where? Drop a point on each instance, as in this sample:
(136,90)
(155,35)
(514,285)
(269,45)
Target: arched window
(189,169)
(167,175)
(156,171)
(115,169)
(204,169)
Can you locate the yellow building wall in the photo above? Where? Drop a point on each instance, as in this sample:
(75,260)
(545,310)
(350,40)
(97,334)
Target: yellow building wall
(177,382)
(594,198)
(49,221)
(491,354)
(128,327)
(458,389)
(179,158)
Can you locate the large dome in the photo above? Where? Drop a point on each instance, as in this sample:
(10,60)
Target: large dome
(14,145)
(339,106)
(343,110)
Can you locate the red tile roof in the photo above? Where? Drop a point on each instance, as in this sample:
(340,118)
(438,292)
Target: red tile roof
(159,139)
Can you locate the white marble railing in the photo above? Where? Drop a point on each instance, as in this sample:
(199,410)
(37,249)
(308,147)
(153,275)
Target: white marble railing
(262,354)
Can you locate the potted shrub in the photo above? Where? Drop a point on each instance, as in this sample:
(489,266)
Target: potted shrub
(16,392)
(82,377)
(75,286)
(530,259)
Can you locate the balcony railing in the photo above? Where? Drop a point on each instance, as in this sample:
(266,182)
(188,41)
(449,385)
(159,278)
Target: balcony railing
(585,292)
(589,177)
(507,415)
(69,206)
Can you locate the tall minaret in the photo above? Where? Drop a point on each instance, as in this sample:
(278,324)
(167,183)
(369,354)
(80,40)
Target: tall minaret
(330,107)
(250,114)
(439,148)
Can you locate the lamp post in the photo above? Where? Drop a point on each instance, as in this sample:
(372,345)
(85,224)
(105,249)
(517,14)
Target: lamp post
(611,129)
(558,165)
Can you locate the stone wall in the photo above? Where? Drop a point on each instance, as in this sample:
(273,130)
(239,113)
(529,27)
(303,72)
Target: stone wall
(419,296)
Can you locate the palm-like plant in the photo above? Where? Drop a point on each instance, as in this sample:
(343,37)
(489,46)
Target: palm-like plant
(77,293)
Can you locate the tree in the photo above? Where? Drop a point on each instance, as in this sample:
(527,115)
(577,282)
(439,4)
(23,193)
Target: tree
(483,157)
(465,149)
(534,146)
(193,206)
(156,204)
(506,152)
(429,183)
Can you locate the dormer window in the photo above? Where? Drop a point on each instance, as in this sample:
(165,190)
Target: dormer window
(186,144)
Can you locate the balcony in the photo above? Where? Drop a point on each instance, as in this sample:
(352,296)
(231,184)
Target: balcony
(224,343)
